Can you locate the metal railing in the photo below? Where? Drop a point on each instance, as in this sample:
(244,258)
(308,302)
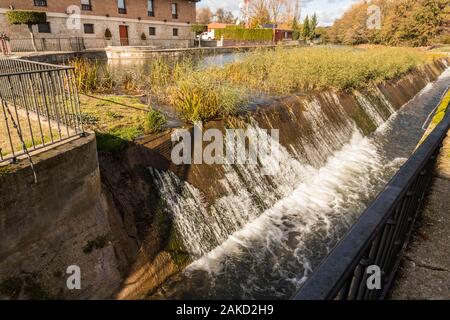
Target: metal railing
(55,44)
(39,106)
(84,43)
(380,236)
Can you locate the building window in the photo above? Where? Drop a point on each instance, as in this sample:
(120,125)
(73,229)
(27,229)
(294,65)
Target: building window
(122,6)
(86,5)
(152,31)
(40,3)
(175,32)
(44,27)
(174,11)
(88,28)
(150,8)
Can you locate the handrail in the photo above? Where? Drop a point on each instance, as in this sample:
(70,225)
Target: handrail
(380,235)
(39,107)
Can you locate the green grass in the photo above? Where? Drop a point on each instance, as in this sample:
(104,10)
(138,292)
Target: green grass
(117,139)
(96,244)
(154,121)
(119,120)
(438,116)
(4,170)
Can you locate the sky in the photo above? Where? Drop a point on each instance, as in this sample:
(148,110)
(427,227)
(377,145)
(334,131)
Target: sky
(327,10)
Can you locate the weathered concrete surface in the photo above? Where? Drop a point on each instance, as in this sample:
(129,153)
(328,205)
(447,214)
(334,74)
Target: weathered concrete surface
(60,221)
(425,269)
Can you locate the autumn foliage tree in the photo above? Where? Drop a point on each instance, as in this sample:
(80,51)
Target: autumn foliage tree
(406,22)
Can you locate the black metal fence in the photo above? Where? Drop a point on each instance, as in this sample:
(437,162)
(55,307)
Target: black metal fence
(380,236)
(39,107)
(52,44)
(84,43)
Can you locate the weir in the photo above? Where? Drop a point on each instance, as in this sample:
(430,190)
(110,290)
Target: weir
(262,236)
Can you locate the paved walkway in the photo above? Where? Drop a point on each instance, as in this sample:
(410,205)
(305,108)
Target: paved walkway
(425,269)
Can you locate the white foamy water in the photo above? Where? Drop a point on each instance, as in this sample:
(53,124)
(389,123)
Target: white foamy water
(323,193)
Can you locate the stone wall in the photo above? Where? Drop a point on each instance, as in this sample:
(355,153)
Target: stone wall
(135,8)
(60,221)
(60,28)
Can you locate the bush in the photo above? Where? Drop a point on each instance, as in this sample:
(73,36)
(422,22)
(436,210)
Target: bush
(154,121)
(108,34)
(26,17)
(199,28)
(239,33)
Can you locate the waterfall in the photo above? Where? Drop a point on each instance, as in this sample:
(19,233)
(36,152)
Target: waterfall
(248,190)
(263,236)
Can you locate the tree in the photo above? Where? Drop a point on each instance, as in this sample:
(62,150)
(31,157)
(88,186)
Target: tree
(29,18)
(199,28)
(313,26)
(224,16)
(306,31)
(295,26)
(204,15)
(259,13)
(406,22)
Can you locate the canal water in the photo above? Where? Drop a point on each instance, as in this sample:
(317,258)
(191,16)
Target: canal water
(269,254)
(205,61)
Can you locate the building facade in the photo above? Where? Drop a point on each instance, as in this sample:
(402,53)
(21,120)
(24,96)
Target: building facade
(165,23)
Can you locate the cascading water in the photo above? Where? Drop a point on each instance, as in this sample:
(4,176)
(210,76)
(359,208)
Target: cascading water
(264,236)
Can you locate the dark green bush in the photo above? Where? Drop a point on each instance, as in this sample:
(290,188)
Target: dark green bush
(26,17)
(199,28)
(108,34)
(239,33)
(154,121)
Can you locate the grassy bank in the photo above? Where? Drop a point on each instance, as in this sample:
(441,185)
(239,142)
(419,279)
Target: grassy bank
(204,94)
(118,120)
(438,116)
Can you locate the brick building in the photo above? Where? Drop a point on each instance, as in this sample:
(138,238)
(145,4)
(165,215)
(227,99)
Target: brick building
(105,22)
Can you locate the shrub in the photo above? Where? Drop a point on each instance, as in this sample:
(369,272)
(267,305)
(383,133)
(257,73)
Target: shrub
(108,34)
(199,28)
(154,121)
(239,33)
(26,17)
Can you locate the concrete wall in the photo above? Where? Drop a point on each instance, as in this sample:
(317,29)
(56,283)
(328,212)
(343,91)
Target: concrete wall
(60,221)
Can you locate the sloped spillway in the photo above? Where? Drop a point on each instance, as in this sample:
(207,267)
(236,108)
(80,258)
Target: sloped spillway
(264,234)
